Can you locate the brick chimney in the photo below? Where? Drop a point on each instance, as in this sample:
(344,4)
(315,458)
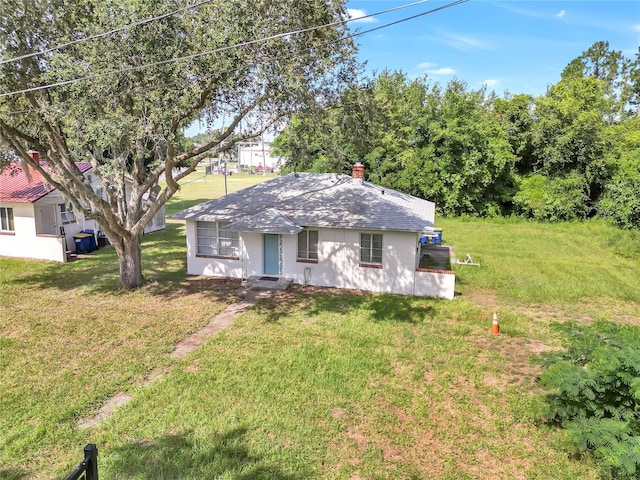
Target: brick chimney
(357,173)
(35,156)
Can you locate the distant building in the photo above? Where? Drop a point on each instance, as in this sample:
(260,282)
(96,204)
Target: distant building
(258,156)
(36,221)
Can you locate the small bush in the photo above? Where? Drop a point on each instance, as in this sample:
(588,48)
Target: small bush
(595,393)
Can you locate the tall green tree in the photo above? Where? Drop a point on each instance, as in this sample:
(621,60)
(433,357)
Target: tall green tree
(617,73)
(570,142)
(463,160)
(126,115)
(446,145)
(332,136)
(620,201)
(516,115)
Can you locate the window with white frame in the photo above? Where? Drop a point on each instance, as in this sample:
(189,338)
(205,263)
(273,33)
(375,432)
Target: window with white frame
(371,248)
(308,245)
(66,213)
(6,219)
(212,240)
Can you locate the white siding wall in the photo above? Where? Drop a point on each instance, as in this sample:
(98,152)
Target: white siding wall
(339,262)
(206,265)
(25,243)
(436,284)
(70,229)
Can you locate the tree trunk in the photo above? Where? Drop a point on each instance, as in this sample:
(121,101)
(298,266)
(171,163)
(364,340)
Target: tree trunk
(130,260)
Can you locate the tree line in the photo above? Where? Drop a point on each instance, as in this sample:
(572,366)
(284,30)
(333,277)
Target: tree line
(572,153)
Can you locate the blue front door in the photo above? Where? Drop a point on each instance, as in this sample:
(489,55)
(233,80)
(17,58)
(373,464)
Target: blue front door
(271,248)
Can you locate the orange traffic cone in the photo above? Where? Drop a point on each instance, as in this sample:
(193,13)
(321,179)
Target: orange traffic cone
(495,328)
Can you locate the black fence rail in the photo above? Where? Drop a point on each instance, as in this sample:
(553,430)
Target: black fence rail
(88,468)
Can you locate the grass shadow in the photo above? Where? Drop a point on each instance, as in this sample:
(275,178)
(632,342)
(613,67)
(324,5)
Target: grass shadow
(312,301)
(163,260)
(11,474)
(178,456)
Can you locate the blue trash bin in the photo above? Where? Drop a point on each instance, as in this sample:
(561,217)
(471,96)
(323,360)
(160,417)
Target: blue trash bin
(92,241)
(438,238)
(85,242)
(81,241)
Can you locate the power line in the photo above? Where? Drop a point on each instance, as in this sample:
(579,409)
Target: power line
(210,52)
(104,34)
(342,39)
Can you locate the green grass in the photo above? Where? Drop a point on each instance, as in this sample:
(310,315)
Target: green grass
(564,263)
(199,188)
(315,384)
(327,385)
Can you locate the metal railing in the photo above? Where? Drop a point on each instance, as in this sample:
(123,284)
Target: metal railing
(88,468)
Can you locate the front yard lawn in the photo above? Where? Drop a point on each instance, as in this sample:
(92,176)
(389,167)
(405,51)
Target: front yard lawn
(313,384)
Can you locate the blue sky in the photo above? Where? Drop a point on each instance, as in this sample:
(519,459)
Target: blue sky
(509,45)
(518,46)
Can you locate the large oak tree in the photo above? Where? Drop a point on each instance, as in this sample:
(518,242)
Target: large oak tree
(121,101)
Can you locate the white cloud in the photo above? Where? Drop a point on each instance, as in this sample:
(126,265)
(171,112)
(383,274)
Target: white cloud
(636,27)
(492,82)
(561,14)
(442,71)
(463,42)
(356,15)
(429,68)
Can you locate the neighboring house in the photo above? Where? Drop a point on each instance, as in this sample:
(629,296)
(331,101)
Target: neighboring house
(318,229)
(258,156)
(36,221)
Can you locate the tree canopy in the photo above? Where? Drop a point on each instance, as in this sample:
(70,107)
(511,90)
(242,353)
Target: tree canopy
(568,154)
(121,101)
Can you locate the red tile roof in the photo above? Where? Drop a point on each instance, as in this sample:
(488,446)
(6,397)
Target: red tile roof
(15,187)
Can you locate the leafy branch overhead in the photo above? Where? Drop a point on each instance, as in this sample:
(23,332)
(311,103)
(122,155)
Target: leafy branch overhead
(122,101)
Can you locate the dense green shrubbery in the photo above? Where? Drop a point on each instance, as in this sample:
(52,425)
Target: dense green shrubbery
(621,199)
(552,199)
(595,393)
(570,154)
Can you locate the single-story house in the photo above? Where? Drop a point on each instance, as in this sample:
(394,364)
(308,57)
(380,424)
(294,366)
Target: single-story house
(36,221)
(317,229)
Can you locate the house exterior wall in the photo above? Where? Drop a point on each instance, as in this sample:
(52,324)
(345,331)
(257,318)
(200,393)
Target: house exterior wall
(37,227)
(210,266)
(433,283)
(53,200)
(338,263)
(24,242)
(157,222)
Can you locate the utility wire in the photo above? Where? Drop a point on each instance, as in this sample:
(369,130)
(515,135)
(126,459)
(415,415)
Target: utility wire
(216,50)
(342,39)
(104,34)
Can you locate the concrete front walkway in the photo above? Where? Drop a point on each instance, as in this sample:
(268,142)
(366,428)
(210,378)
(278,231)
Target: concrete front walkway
(220,321)
(184,348)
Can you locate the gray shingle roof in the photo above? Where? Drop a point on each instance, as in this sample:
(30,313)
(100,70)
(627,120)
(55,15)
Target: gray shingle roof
(315,200)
